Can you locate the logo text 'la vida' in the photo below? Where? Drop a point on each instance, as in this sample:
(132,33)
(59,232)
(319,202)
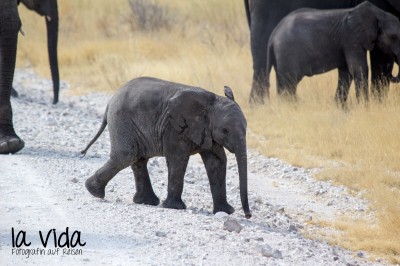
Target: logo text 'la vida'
(64,239)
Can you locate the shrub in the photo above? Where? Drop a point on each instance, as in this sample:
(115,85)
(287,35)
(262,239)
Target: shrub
(148,15)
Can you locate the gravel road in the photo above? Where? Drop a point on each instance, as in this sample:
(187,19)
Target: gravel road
(42,188)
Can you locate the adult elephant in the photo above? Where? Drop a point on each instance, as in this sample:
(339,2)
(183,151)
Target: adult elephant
(49,9)
(10,24)
(264,15)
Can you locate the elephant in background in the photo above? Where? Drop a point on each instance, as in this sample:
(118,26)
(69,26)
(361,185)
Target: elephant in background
(264,15)
(311,41)
(150,117)
(48,9)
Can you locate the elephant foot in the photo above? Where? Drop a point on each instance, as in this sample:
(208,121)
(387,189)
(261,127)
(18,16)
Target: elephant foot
(146,198)
(223,207)
(10,142)
(174,203)
(95,188)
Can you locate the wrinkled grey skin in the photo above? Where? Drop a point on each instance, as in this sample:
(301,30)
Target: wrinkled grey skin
(10,24)
(48,9)
(264,15)
(149,117)
(311,41)
(9,27)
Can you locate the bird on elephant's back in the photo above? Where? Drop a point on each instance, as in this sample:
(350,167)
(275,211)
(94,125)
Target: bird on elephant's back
(150,117)
(264,15)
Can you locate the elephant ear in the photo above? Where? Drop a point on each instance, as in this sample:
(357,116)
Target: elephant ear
(229,93)
(363,22)
(188,111)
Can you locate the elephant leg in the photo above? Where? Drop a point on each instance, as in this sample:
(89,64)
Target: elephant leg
(144,191)
(215,163)
(361,81)
(381,71)
(361,84)
(177,160)
(96,184)
(259,88)
(259,40)
(358,67)
(9,140)
(342,91)
(287,86)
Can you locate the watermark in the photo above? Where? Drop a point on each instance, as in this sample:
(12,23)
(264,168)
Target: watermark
(53,243)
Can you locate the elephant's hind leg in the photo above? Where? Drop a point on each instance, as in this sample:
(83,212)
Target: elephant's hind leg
(287,85)
(215,163)
(381,70)
(144,191)
(96,184)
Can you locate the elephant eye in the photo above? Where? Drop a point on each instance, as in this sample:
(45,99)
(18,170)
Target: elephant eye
(225,131)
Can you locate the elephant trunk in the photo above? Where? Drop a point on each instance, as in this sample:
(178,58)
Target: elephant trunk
(241,158)
(8,50)
(52,40)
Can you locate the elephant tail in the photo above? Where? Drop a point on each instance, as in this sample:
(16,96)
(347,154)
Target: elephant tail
(270,62)
(101,129)
(247,8)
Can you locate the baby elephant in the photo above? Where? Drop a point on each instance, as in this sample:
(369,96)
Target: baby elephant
(150,117)
(310,41)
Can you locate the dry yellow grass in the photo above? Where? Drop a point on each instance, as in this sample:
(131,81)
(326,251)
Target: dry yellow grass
(206,43)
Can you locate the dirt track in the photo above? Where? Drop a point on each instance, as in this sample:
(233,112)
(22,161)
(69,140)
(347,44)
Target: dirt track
(42,188)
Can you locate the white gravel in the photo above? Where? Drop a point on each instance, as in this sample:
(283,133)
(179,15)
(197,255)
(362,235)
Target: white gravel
(42,187)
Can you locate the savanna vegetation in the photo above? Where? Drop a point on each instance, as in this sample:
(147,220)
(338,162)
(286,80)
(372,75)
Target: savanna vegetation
(103,44)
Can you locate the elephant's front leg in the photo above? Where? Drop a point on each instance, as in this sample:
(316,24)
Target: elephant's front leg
(343,87)
(358,67)
(10,142)
(177,157)
(361,84)
(381,71)
(215,163)
(144,191)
